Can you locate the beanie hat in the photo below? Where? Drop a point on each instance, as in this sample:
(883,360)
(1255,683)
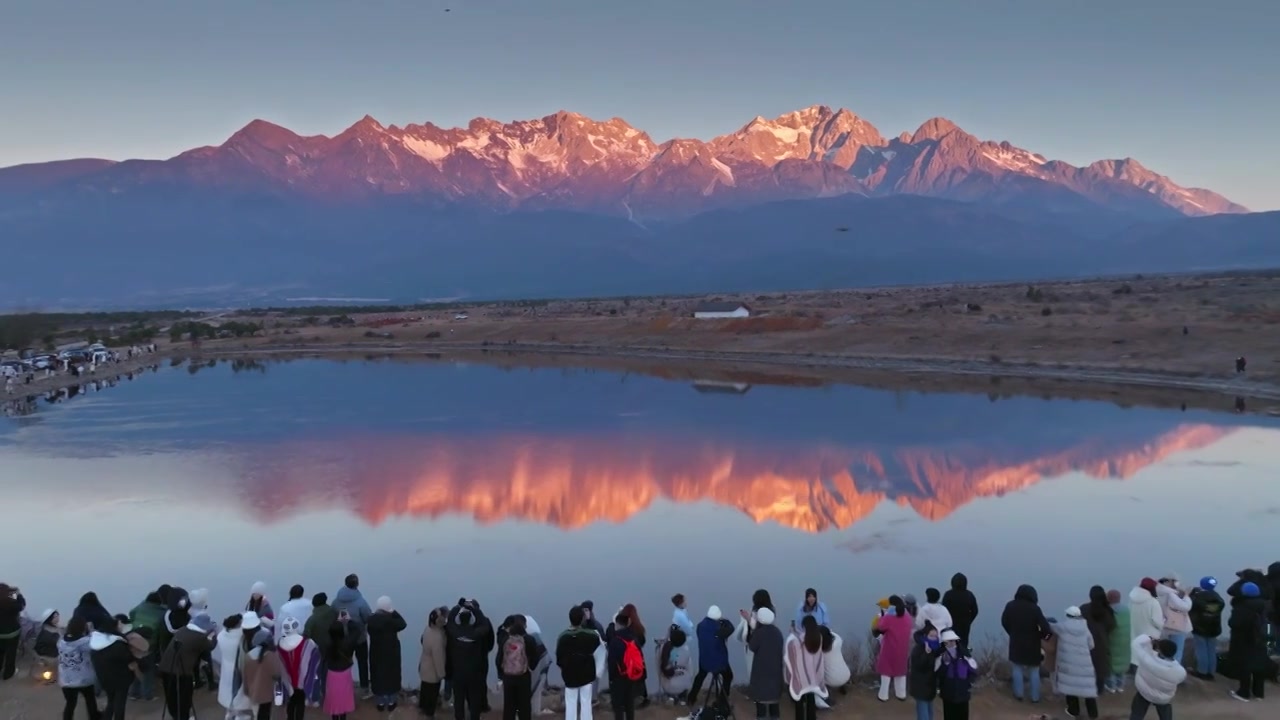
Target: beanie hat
(259,588)
(1250,590)
(714,613)
(199,598)
(384,604)
(765,616)
(1113,596)
(1208,582)
(1148,584)
(1073,612)
(909,600)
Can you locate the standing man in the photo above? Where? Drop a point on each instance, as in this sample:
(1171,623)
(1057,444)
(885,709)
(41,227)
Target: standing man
(350,599)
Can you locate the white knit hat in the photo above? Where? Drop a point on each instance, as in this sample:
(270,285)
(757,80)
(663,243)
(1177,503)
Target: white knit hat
(383,604)
(259,588)
(714,613)
(1073,612)
(764,616)
(199,598)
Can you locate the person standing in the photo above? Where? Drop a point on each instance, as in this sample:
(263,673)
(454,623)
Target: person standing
(1248,647)
(431,666)
(575,656)
(339,693)
(1146,616)
(768,671)
(180,663)
(296,607)
(260,671)
(626,668)
(12,607)
(75,671)
(811,606)
(802,666)
(933,612)
(515,661)
(922,680)
(963,606)
(1206,626)
(713,652)
(114,667)
(350,599)
(316,629)
(1026,625)
(641,687)
(1075,678)
(300,658)
(894,630)
(385,626)
(1121,651)
(471,639)
(259,605)
(956,670)
(1156,679)
(680,615)
(1102,625)
(1175,606)
(760,598)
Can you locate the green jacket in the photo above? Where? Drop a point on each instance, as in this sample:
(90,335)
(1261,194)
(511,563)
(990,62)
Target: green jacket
(1120,641)
(317,627)
(149,618)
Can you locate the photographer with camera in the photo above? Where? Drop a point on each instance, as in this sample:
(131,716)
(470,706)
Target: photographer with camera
(470,640)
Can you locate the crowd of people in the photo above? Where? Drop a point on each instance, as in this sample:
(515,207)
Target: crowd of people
(315,652)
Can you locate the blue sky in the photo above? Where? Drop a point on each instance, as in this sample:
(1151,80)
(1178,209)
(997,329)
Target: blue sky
(1187,88)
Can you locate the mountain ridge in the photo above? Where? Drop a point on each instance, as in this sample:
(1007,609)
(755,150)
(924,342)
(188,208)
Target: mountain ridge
(569,161)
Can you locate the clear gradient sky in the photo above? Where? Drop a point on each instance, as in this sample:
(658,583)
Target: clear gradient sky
(1188,88)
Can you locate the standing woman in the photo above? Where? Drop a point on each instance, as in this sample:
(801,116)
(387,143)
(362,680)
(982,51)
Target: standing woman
(301,660)
(759,599)
(226,652)
(894,630)
(922,683)
(114,666)
(12,605)
(259,605)
(767,675)
(75,671)
(384,628)
(1101,618)
(803,668)
(956,671)
(431,668)
(339,691)
(1075,678)
(260,671)
(637,629)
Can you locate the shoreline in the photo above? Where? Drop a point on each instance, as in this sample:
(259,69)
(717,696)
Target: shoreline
(937,374)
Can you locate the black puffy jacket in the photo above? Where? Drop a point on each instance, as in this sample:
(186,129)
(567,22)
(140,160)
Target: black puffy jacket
(1026,625)
(469,644)
(1206,613)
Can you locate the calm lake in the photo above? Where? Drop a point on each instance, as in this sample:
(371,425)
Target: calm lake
(532,490)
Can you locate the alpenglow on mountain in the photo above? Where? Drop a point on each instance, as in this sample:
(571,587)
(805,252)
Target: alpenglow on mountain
(570,162)
(570,206)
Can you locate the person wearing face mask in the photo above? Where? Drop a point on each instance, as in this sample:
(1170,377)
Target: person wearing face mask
(922,680)
(956,670)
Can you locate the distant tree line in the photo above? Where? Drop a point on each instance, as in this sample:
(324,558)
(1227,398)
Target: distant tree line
(197,330)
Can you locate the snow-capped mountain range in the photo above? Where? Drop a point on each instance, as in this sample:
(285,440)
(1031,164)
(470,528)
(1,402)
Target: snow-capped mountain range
(571,162)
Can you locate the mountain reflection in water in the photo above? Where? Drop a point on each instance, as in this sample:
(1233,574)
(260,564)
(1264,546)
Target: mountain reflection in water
(573,481)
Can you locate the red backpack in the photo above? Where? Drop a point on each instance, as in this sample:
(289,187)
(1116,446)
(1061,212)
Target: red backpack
(632,667)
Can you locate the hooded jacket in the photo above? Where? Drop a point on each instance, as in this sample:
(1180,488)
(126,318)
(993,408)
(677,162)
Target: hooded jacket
(818,611)
(962,606)
(75,668)
(260,671)
(804,670)
(148,617)
(317,626)
(351,600)
(1145,615)
(1026,625)
(91,611)
(111,660)
(1075,675)
(299,609)
(1248,645)
(767,670)
(1206,613)
(713,652)
(575,656)
(1157,678)
(469,645)
(936,614)
(838,673)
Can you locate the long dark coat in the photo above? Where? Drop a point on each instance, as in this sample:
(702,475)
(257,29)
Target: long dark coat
(1248,647)
(384,652)
(1026,625)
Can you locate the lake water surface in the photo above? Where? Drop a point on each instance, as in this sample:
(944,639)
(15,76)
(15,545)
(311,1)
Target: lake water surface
(532,490)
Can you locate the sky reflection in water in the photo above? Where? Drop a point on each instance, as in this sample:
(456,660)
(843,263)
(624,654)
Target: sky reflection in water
(535,489)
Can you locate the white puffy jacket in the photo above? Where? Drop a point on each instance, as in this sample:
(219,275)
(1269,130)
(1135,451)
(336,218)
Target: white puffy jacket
(1157,679)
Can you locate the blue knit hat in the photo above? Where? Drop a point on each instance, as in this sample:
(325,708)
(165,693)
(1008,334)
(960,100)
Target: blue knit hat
(1250,590)
(1208,582)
